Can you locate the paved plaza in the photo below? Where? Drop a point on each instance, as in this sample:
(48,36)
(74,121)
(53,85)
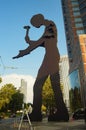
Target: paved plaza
(9,124)
(71,125)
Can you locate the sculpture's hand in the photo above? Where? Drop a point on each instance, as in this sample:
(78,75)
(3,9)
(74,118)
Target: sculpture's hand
(21,54)
(27,39)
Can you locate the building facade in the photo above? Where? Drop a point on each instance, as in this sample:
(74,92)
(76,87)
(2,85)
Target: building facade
(82,67)
(23,89)
(74,15)
(64,80)
(82,6)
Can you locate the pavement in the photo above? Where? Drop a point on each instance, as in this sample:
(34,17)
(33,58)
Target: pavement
(11,124)
(71,125)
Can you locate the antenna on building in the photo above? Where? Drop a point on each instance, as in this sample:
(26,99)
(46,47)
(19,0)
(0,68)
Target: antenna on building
(27,107)
(6,67)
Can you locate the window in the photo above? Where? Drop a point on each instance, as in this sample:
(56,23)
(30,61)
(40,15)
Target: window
(85,30)
(85,40)
(74,79)
(82,5)
(75,8)
(84,23)
(74,3)
(80,32)
(83,10)
(77,19)
(76,13)
(78,25)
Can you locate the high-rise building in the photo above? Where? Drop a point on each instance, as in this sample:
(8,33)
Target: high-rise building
(82,6)
(74,15)
(64,79)
(73,26)
(23,89)
(82,67)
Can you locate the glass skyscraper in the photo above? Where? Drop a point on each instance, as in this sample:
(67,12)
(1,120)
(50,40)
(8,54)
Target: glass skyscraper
(74,15)
(74,25)
(82,6)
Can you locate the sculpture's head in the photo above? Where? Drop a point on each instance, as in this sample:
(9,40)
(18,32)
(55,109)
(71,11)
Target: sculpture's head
(37,20)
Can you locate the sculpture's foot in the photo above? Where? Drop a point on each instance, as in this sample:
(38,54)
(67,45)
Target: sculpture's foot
(60,117)
(35,117)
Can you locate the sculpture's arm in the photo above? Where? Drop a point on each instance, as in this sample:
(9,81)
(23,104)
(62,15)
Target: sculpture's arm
(33,45)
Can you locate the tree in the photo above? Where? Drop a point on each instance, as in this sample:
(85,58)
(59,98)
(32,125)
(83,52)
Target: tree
(16,102)
(48,98)
(6,93)
(48,94)
(10,98)
(75,99)
(0,79)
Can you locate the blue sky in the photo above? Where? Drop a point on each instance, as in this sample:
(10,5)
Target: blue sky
(14,14)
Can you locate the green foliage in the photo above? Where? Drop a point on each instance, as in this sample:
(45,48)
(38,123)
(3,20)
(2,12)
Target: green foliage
(6,93)
(16,102)
(61,86)
(0,79)
(48,98)
(10,98)
(75,99)
(48,94)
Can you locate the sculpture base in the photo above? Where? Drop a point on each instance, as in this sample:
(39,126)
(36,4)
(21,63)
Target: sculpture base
(35,117)
(59,117)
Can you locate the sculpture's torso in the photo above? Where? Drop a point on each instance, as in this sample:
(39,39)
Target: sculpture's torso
(50,64)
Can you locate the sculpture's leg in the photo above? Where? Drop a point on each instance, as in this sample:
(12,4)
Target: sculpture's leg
(37,100)
(62,113)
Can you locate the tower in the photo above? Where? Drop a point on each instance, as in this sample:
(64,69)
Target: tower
(74,15)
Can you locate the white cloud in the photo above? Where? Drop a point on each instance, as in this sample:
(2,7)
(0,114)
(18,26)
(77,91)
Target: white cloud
(15,79)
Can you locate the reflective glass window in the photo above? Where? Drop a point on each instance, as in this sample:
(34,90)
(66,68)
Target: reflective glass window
(74,2)
(80,32)
(77,19)
(74,79)
(78,25)
(76,13)
(75,8)
(74,93)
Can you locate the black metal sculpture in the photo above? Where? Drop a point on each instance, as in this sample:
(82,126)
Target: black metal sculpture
(50,66)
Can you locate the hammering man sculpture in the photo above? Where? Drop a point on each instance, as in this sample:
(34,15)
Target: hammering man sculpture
(49,67)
